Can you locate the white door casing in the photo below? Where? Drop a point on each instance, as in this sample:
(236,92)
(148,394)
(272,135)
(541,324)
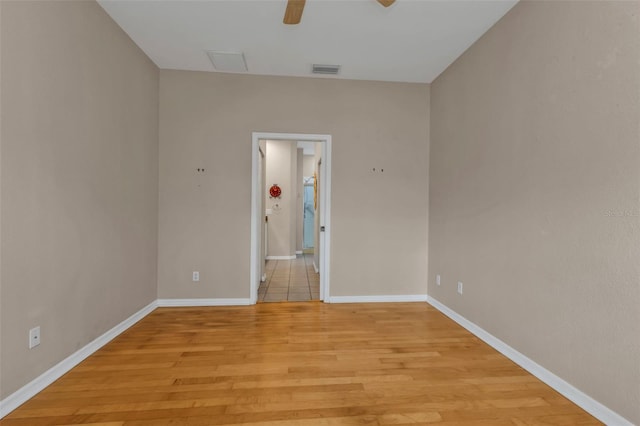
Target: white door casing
(324,205)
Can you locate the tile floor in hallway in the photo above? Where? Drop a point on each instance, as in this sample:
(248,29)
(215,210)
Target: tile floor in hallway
(290,280)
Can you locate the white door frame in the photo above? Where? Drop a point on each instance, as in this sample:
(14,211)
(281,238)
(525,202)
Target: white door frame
(325,208)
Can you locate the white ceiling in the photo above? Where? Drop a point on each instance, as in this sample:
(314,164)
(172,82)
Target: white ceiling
(411,41)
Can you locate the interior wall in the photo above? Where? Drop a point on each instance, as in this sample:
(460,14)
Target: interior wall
(299,210)
(307,166)
(535,189)
(79,181)
(308,170)
(1,133)
(293,196)
(208,118)
(282,221)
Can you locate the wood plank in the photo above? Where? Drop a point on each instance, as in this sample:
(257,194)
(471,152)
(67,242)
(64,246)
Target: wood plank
(295,364)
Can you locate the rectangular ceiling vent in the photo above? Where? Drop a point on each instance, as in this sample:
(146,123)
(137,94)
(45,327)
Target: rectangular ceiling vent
(228,61)
(326,69)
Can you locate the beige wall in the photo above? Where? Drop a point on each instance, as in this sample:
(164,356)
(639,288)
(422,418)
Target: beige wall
(535,185)
(308,165)
(379,221)
(299,189)
(79,181)
(534,191)
(281,164)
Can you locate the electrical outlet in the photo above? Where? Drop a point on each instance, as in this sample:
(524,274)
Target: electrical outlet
(196,276)
(34,337)
(438,279)
(460,287)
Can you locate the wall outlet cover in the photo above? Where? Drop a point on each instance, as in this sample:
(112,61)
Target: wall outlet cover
(34,337)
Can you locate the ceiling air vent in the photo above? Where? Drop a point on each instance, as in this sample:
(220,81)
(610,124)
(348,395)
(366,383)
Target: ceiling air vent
(325,69)
(228,61)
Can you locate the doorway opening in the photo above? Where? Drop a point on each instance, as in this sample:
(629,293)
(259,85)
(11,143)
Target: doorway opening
(290,216)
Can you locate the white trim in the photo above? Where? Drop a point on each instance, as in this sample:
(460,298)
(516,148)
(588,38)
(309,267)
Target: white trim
(325,205)
(165,303)
(315,268)
(378,299)
(324,251)
(281,257)
(26,392)
(298,252)
(256,222)
(584,401)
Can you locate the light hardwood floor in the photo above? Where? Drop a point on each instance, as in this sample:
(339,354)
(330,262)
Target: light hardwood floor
(300,364)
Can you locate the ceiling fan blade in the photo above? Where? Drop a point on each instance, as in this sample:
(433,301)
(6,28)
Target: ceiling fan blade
(386,3)
(293,14)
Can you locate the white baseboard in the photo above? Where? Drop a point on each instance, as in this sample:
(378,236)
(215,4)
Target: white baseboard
(26,392)
(584,401)
(315,268)
(164,303)
(378,299)
(281,257)
(298,252)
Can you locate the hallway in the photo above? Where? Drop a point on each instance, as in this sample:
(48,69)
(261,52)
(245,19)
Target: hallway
(290,280)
